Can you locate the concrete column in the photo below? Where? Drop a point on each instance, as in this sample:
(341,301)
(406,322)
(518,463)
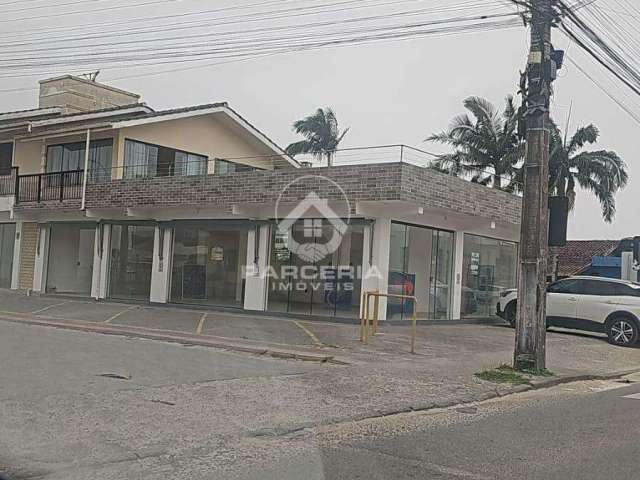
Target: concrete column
(15,272)
(375,264)
(161,266)
(100,280)
(627,271)
(42,259)
(456,281)
(256,280)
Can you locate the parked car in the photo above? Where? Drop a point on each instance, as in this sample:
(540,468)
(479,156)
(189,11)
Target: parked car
(593,304)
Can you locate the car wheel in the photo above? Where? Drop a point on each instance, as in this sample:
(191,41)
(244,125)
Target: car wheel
(622,331)
(510,314)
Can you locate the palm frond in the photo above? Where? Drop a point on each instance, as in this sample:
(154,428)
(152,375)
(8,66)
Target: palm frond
(583,136)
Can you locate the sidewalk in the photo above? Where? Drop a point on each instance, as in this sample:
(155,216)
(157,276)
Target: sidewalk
(440,348)
(174,407)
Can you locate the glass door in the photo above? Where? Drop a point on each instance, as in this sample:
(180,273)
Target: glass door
(441,275)
(328,287)
(70,267)
(7,241)
(131,261)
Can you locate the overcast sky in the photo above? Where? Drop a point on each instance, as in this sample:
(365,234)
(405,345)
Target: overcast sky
(388,93)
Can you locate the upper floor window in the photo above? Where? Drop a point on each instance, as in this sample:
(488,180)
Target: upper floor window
(147,160)
(223,167)
(70,156)
(6,158)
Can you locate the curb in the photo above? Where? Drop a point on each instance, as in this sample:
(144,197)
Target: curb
(177,337)
(445,404)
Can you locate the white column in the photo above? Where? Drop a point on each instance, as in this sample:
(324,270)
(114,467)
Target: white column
(105,261)
(627,271)
(97,264)
(161,266)
(375,264)
(15,272)
(100,278)
(256,281)
(41,260)
(456,281)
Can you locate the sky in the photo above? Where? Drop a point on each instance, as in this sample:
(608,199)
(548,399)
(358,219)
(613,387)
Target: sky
(387,93)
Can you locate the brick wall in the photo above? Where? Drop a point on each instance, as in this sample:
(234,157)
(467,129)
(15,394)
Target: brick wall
(28,241)
(374,182)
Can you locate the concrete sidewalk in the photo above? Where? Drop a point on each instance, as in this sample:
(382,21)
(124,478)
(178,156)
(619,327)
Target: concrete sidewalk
(59,419)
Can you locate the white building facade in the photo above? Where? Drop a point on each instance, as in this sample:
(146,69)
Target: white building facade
(186,206)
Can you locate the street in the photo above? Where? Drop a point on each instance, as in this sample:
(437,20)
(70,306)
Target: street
(585,430)
(77,405)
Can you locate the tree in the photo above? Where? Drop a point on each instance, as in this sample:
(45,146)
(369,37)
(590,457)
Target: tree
(321,133)
(601,172)
(486,147)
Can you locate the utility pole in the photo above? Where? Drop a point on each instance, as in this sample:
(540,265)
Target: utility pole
(532,292)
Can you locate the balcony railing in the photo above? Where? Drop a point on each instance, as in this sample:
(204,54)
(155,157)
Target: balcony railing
(8,183)
(43,187)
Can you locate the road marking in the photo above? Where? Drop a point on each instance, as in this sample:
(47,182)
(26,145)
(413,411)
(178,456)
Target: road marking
(635,396)
(47,308)
(201,323)
(113,317)
(312,335)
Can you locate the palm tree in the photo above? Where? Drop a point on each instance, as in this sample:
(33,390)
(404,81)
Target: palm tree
(601,172)
(486,147)
(321,133)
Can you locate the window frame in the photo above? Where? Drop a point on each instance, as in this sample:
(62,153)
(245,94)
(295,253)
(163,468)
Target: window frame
(105,142)
(4,171)
(183,171)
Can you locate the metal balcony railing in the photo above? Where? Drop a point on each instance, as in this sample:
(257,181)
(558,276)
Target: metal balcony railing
(8,183)
(43,187)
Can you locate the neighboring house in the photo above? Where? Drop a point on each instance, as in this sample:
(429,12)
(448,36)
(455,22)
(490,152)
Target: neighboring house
(176,205)
(601,258)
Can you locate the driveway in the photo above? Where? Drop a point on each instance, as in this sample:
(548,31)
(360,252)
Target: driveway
(77,405)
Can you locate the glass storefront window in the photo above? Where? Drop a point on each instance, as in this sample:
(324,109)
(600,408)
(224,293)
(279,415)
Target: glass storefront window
(330,287)
(208,265)
(420,265)
(70,267)
(131,261)
(7,241)
(489,267)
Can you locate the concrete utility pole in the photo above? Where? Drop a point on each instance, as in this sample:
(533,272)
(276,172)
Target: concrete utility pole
(532,292)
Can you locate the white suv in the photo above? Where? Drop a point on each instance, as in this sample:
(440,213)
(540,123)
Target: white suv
(594,304)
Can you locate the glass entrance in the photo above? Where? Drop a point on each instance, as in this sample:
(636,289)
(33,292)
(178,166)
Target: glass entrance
(131,261)
(420,265)
(70,266)
(7,241)
(327,287)
(489,267)
(207,265)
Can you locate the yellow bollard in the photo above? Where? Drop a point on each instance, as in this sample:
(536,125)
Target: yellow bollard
(376,311)
(414,327)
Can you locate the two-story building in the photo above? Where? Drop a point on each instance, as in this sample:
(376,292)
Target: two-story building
(103,197)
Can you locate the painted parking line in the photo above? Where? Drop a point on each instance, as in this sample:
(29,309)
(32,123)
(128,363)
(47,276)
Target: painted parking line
(311,335)
(635,396)
(201,323)
(47,308)
(113,317)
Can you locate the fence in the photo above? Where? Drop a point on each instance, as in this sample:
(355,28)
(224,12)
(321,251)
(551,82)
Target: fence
(8,183)
(43,187)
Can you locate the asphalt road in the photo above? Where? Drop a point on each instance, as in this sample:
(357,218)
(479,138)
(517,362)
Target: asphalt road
(587,430)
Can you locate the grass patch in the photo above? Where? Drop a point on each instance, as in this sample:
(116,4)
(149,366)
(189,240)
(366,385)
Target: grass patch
(507,374)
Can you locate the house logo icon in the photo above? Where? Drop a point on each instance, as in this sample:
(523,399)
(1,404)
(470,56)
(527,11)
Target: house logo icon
(314,241)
